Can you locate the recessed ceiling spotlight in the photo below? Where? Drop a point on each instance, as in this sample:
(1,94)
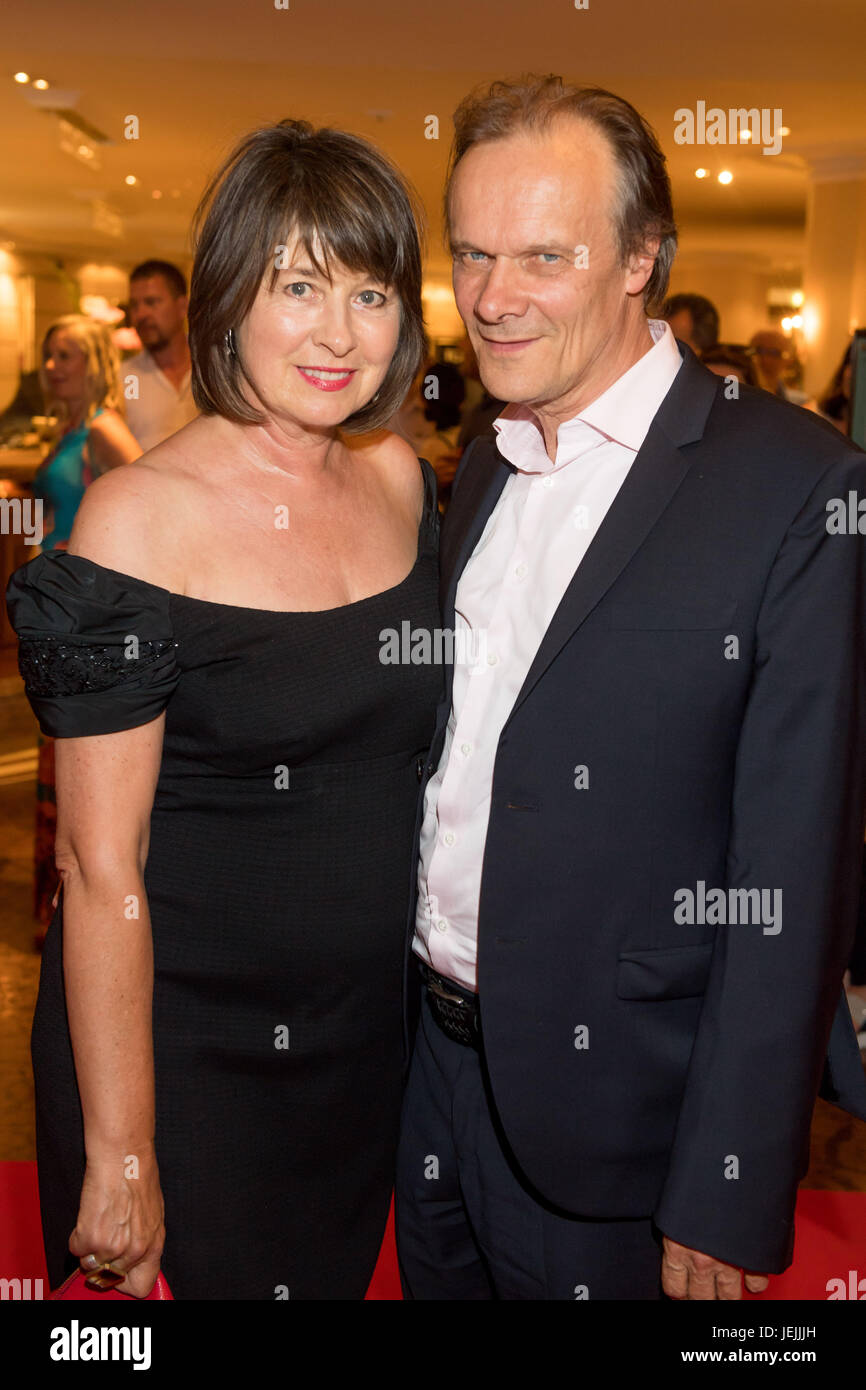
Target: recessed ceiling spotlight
(784,130)
(22,77)
(156,193)
(702,173)
(726,176)
(131,180)
(40,84)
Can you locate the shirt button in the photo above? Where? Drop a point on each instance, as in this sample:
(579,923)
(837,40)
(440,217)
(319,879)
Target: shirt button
(520,570)
(466,749)
(547,481)
(492,659)
(441,925)
(449,837)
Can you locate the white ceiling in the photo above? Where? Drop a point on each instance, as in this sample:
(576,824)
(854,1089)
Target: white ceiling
(201,72)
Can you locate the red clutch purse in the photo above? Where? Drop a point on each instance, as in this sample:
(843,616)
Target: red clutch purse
(75,1288)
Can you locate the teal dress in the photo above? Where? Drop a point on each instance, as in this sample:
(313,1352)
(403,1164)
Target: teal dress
(60,483)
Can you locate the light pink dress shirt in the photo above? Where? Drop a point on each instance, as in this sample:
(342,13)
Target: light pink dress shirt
(537,535)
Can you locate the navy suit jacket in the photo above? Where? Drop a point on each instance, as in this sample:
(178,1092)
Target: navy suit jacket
(706,667)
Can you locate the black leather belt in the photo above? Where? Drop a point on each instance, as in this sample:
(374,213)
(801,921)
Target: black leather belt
(454,1008)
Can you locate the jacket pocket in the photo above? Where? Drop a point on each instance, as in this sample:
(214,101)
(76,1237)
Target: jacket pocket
(667,972)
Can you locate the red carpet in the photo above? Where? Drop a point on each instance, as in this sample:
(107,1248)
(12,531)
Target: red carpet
(830,1244)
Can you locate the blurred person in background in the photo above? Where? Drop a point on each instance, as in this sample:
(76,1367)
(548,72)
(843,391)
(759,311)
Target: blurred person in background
(835,405)
(80,380)
(835,402)
(429,420)
(694,320)
(480,409)
(157,310)
(775,359)
(728,359)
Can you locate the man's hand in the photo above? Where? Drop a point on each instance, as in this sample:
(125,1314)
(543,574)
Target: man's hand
(690,1274)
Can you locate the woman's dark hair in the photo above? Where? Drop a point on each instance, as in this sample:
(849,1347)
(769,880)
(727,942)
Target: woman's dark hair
(834,401)
(731,355)
(346,203)
(644,210)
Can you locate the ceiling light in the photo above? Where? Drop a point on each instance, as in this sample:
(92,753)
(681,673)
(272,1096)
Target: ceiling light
(784,130)
(702,173)
(40,84)
(726,176)
(745,135)
(131,180)
(156,193)
(22,77)
(797,298)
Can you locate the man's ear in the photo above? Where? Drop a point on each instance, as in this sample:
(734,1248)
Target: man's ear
(640,266)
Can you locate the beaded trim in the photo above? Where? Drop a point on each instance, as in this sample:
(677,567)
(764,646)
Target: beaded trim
(50,666)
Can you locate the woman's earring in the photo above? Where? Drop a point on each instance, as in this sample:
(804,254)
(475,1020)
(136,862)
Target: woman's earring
(374,398)
(230,343)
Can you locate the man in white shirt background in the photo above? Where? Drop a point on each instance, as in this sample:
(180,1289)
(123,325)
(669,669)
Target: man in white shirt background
(606,1098)
(160,401)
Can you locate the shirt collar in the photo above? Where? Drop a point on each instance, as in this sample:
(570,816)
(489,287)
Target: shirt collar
(623,413)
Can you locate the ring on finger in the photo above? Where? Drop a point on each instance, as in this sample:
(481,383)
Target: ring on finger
(104,1278)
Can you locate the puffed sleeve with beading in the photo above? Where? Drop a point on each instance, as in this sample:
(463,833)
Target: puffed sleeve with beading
(96,649)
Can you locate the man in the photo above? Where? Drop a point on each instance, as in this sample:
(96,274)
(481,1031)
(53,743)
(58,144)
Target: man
(772,355)
(643,807)
(160,402)
(694,320)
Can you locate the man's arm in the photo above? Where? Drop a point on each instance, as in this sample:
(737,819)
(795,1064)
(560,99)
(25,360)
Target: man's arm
(741,1143)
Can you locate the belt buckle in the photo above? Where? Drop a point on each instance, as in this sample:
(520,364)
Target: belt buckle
(437,989)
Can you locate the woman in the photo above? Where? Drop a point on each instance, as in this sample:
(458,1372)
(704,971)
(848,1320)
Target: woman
(80,380)
(835,403)
(237,769)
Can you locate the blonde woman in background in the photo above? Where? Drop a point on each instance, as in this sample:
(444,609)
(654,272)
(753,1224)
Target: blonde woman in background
(80,379)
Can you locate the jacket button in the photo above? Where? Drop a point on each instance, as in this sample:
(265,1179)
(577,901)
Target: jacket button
(419,768)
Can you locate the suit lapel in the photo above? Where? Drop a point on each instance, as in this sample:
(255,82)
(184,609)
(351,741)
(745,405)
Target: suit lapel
(650,484)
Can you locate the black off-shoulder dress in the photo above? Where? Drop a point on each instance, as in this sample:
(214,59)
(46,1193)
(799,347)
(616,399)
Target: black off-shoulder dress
(277,880)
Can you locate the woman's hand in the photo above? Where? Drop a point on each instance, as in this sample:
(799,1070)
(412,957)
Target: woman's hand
(120,1219)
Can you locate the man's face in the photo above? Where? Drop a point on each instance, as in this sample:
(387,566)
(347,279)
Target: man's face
(541,311)
(155,312)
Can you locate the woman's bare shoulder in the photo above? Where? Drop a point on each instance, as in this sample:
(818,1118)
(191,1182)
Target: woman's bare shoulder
(134,519)
(396,460)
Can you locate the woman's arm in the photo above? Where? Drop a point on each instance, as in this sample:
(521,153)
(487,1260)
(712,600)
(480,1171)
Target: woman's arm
(105,788)
(110,443)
